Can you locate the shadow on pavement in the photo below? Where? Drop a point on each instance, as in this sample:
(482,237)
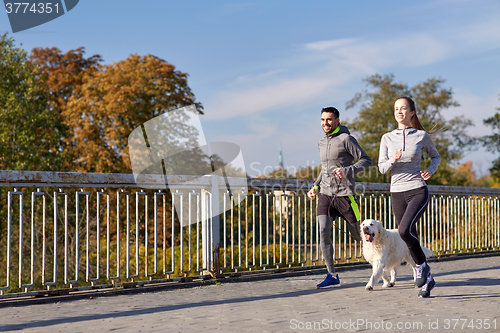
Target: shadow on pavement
(469,282)
(441,282)
(68,320)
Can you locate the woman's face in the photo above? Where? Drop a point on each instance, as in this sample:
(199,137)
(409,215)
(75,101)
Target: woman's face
(402,113)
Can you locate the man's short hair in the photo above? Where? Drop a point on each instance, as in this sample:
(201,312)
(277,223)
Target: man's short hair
(331,109)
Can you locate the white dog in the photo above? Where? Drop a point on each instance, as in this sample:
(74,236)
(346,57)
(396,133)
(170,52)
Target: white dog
(385,251)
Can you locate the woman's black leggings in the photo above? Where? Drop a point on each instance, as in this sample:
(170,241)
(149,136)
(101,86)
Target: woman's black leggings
(408,207)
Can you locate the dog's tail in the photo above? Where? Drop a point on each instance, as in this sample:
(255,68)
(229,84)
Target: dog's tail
(428,253)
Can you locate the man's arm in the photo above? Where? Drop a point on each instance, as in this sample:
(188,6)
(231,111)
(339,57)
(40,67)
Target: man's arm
(318,179)
(364,161)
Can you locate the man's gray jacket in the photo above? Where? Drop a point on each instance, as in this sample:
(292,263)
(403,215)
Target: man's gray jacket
(340,150)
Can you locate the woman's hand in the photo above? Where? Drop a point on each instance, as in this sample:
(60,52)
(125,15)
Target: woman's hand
(425,174)
(312,193)
(397,155)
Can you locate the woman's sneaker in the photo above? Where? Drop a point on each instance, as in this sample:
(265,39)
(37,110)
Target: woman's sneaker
(422,272)
(427,287)
(329,282)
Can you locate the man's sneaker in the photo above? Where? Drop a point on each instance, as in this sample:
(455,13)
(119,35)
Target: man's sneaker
(330,282)
(427,287)
(422,271)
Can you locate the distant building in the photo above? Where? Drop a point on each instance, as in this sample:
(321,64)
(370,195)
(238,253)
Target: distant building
(280,159)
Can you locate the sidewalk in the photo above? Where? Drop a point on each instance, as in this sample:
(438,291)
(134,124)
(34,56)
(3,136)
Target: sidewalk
(466,299)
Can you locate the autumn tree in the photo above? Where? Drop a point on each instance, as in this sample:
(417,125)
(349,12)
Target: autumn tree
(465,175)
(376,117)
(27,139)
(492,142)
(62,76)
(97,106)
(63,73)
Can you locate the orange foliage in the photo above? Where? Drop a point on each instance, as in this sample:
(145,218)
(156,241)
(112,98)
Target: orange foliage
(97,106)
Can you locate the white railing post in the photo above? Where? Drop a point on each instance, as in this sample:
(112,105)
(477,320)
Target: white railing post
(205,230)
(211,226)
(215,264)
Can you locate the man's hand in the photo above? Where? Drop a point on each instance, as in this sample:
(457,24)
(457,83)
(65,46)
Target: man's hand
(339,173)
(312,193)
(425,174)
(397,155)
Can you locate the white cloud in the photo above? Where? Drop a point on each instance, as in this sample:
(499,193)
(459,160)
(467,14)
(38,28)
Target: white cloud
(329,44)
(317,70)
(259,77)
(285,93)
(481,36)
(327,71)
(413,50)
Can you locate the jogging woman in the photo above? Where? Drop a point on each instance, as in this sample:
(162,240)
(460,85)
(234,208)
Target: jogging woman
(401,153)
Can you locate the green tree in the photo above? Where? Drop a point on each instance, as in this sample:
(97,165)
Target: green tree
(492,142)
(376,117)
(27,139)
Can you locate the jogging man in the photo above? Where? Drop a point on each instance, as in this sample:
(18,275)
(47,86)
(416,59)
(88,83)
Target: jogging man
(338,152)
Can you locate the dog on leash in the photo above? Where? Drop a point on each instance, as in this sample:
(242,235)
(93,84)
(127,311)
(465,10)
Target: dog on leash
(385,251)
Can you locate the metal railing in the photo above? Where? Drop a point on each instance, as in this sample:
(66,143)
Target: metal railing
(88,231)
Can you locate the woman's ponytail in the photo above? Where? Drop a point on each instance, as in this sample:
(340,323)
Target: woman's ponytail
(415,123)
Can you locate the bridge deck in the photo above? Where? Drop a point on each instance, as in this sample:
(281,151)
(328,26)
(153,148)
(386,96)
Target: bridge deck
(466,299)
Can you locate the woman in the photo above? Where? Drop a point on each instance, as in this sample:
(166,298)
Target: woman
(401,152)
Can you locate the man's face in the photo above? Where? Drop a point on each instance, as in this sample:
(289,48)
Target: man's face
(329,122)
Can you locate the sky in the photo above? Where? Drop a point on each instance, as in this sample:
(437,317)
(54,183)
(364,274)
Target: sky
(264,70)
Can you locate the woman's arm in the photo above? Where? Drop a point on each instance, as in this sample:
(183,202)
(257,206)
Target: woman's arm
(385,162)
(430,148)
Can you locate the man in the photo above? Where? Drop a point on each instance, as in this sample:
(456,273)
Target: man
(338,151)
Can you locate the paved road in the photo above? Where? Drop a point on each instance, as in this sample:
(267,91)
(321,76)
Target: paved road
(466,299)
